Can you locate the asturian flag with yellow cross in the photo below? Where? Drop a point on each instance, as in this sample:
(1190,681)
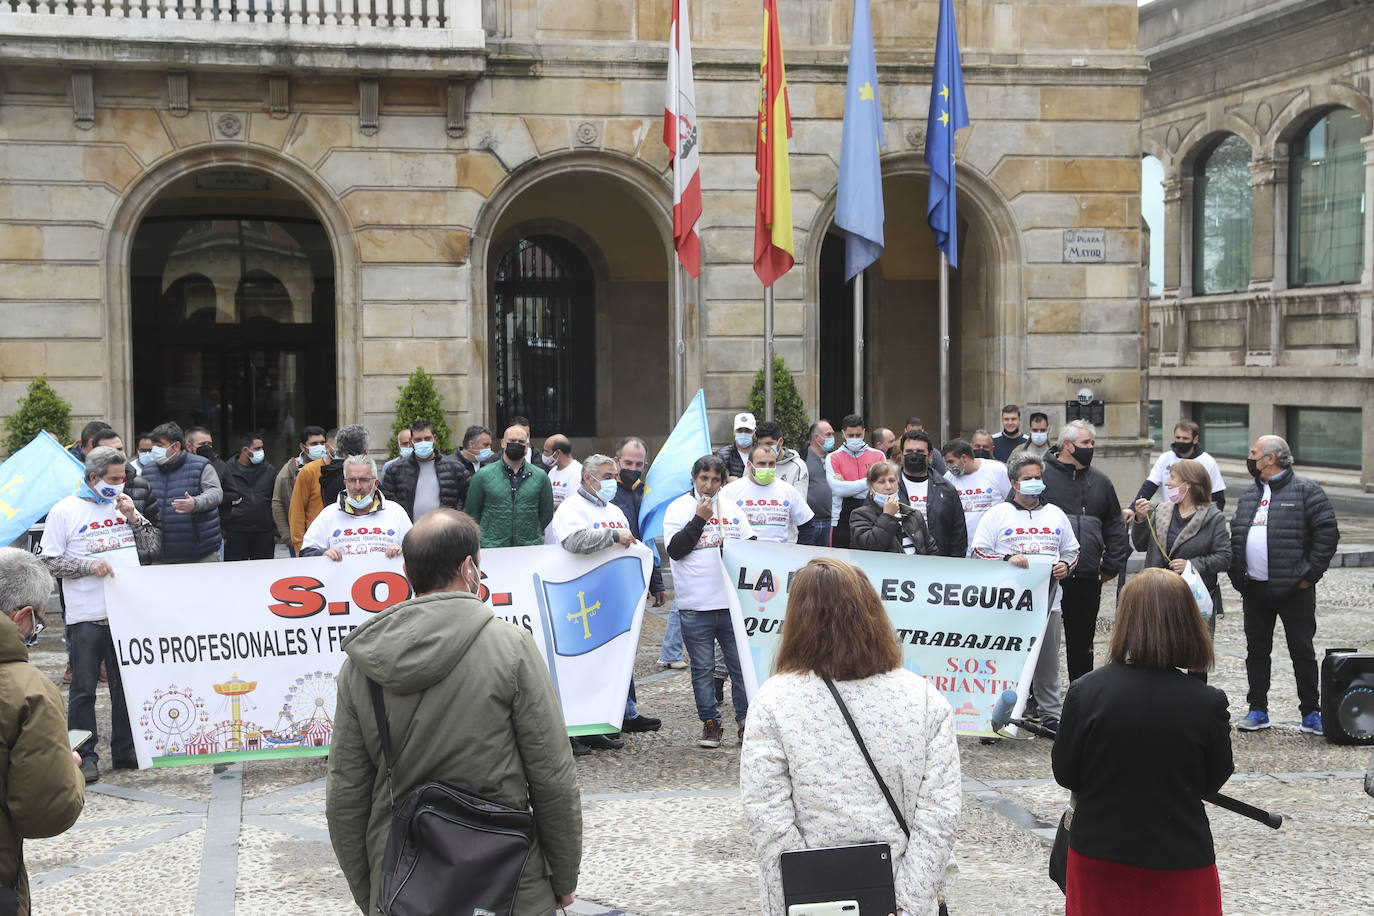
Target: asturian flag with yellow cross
(32,480)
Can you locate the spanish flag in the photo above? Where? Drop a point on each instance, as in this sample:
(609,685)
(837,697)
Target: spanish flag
(773,248)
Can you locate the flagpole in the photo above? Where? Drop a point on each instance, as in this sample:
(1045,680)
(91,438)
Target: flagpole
(768,352)
(944,348)
(859,342)
(680,348)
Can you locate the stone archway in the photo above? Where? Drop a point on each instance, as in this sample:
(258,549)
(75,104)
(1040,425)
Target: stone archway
(298,181)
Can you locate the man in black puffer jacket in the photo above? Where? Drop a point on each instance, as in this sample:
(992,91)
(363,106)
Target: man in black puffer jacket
(1283,536)
(427,479)
(1088,498)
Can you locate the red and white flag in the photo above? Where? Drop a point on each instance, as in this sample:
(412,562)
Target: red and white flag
(680,136)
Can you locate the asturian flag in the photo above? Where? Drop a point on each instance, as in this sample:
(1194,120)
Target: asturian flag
(680,136)
(671,473)
(948,113)
(32,480)
(773,247)
(859,204)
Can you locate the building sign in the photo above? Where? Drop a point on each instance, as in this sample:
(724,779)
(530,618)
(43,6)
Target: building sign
(232,180)
(1085,246)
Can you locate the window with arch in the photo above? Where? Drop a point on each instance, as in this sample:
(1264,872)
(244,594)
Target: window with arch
(1326,201)
(543,337)
(1221,218)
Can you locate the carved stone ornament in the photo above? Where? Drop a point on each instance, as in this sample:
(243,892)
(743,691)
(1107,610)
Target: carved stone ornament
(586,133)
(230,125)
(915,136)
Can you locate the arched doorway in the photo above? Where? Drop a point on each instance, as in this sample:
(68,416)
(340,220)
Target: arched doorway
(232,301)
(577,252)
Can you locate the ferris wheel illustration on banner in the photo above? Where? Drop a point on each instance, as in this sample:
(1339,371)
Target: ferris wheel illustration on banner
(171,717)
(310,700)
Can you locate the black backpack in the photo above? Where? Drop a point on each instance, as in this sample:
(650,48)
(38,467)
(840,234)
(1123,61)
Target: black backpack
(450,851)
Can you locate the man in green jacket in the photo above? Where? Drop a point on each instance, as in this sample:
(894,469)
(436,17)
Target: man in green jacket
(469,701)
(43,790)
(511,499)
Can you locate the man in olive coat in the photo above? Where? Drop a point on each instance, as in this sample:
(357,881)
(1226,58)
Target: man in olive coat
(469,701)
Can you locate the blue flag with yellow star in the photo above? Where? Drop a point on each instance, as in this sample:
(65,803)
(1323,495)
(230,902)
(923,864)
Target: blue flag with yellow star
(859,204)
(32,480)
(587,612)
(671,473)
(948,113)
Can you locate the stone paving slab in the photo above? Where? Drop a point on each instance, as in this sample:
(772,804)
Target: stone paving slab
(664,831)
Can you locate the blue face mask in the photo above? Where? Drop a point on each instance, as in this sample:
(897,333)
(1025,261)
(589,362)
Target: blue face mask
(606,489)
(146,459)
(1032,487)
(1039,439)
(159,455)
(829,444)
(316,452)
(855,445)
(743,439)
(423,450)
(880,498)
(257,456)
(362,502)
(484,454)
(407,451)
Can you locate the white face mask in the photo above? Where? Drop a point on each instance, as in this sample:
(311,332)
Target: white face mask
(110,491)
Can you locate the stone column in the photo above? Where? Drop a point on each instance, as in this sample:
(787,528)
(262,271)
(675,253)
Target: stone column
(1281,191)
(1368,276)
(1264,226)
(1173,235)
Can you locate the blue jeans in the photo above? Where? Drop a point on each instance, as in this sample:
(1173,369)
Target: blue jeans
(702,631)
(92,644)
(631,708)
(815,533)
(672,638)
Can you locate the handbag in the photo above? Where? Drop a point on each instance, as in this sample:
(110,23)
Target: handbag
(1059,852)
(861,872)
(1190,575)
(449,850)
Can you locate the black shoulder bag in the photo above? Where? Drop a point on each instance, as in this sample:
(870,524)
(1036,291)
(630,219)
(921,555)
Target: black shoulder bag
(449,850)
(862,872)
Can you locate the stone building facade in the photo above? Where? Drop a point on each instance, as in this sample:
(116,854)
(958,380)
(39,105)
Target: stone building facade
(1262,114)
(260,215)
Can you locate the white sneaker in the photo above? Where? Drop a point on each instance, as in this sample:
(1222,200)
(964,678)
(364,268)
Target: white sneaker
(675,666)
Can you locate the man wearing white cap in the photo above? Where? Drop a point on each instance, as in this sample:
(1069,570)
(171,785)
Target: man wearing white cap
(736,455)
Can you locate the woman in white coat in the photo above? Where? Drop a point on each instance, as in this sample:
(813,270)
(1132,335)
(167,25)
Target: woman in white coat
(803,779)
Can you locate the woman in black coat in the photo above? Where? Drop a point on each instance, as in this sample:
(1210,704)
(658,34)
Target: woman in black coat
(882,524)
(1139,744)
(1186,528)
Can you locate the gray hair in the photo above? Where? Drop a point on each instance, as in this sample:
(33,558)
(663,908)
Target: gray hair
(1069,431)
(351,440)
(1276,446)
(365,460)
(1018,460)
(594,463)
(98,461)
(24,580)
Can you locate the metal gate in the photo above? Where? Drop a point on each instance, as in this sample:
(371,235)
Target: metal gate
(543,337)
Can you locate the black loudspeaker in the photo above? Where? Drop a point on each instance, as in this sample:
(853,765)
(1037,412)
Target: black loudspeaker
(1348,696)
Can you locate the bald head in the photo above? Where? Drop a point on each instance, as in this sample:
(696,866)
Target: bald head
(441,552)
(558,451)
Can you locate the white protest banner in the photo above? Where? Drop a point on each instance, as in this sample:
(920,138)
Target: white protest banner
(970,627)
(249,674)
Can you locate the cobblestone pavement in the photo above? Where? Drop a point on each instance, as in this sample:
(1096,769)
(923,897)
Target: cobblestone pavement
(663,829)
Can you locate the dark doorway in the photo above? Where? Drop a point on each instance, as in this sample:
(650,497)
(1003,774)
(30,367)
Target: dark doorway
(837,331)
(233,326)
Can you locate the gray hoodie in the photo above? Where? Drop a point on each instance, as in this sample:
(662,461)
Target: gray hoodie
(469,701)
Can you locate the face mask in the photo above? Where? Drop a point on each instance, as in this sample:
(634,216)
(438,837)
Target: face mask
(915,464)
(361,502)
(855,445)
(1032,487)
(484,454)
(1183,449)
(765,476)
(981,453)
(954,468)
(515,451)
(423,449)
(1176,496)
(829,444)
(629,478)
(159,454)
(1083,456)
(316,452)
(475,584)
(1252,466)
(257,456)
(146,459)
(606,490)
(206,451)
(880,498)
(32,639)
(1039,439)
(743,440)
(110,491)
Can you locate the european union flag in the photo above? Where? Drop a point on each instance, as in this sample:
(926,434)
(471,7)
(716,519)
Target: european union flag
(948,113)
(587,612)
(859,204)
(32,480)
(671,473)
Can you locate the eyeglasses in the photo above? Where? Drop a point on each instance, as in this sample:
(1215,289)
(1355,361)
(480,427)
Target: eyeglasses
(359,481)
(38,627)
